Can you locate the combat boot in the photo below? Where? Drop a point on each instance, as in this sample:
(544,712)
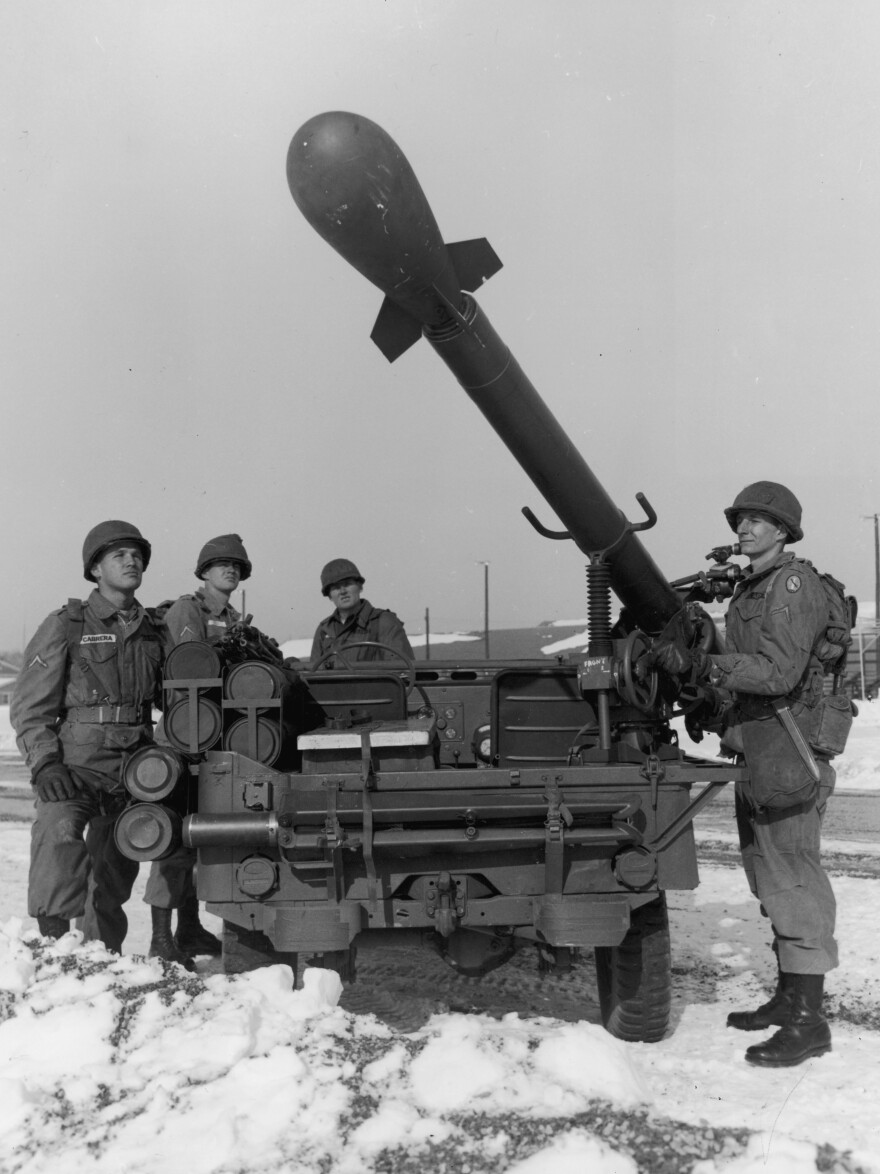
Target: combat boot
(773,1013)
(162,943)
(191,936)
(805,1034)
(51,926)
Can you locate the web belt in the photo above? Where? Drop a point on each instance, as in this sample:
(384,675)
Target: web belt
(117,715)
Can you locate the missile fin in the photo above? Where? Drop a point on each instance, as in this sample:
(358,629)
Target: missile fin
(474,262)
(395,331)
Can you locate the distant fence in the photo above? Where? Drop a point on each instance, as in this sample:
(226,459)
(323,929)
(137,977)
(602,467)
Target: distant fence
(863,666)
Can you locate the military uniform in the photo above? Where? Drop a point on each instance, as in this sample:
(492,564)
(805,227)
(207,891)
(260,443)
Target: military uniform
(775,622)
(191,617)
(85,697)
(194,617)
(367,623)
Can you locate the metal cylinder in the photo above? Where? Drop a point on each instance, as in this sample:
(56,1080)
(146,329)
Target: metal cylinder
(254,680)
(147,831)
(193,660)
(499,387)
(153,772)
(193,724)
(267,742)
(243,829)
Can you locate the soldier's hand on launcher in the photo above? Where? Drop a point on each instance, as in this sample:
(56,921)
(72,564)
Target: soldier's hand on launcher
(676,658)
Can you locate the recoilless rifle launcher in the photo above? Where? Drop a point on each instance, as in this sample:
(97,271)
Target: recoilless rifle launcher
(478,807)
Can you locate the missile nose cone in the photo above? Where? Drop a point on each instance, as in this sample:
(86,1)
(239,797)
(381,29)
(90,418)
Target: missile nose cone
(336,161)
(355,187)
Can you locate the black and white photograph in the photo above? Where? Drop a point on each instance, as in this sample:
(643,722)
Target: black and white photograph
(440,652)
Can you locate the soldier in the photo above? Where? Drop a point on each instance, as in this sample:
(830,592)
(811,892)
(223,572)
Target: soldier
(205,615)
(776,624)
(82,703)
(355,620)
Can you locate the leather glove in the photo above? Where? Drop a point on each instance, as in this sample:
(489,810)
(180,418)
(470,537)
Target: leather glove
(671,656)
(53,782)
(677,659)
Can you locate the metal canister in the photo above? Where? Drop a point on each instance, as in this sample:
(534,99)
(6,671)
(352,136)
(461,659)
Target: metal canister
(193,724)
(268,741)
(147,831)
(254,680)
(193,660)
(153,772)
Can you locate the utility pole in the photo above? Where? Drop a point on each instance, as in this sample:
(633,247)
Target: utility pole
(485,566)
(427,633)
(876,518)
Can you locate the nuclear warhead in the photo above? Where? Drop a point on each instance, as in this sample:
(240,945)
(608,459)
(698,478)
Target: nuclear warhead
(355,187)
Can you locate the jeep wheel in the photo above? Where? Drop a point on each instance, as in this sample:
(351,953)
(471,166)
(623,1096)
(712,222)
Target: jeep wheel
(250,949)
(635,978)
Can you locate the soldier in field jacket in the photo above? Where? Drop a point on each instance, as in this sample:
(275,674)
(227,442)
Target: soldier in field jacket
(83,702)
(355,620)
(772,664)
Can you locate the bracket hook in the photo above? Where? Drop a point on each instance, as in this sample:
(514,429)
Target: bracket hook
(628,527)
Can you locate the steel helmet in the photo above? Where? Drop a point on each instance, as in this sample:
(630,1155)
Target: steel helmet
(104,535)
(337,570)
(769,497)
(226,548)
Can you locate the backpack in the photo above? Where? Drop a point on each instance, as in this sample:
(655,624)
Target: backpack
(833,645)
(158,613)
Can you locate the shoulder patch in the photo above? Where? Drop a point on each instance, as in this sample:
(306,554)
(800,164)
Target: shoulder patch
(793,584)
(38,660)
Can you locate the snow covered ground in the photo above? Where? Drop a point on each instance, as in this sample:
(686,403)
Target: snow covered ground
(110,1064)
(301,646)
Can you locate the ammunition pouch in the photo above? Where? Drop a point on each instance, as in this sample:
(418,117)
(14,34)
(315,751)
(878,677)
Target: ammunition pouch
(125,737)
(830,724)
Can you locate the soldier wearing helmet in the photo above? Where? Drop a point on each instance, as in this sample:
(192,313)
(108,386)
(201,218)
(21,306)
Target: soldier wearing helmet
(776,623)
(355,621)
(206,614)
(82,703)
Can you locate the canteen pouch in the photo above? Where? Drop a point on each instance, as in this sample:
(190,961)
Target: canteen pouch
(830,724)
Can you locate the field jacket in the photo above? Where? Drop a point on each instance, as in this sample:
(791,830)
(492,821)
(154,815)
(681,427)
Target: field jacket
(193,617)
(85,694)
(367,623)
(776,620)
(774,623)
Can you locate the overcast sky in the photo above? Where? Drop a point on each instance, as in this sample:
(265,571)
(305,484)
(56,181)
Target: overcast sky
(685,198)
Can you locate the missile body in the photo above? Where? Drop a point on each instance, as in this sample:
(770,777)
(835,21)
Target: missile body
(355,187)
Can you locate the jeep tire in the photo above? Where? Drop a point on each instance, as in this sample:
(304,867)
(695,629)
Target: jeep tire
(635,977)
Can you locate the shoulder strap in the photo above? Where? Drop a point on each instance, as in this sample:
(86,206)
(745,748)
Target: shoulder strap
(73,613)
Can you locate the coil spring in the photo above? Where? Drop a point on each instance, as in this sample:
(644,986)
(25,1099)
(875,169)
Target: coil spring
(599,608)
